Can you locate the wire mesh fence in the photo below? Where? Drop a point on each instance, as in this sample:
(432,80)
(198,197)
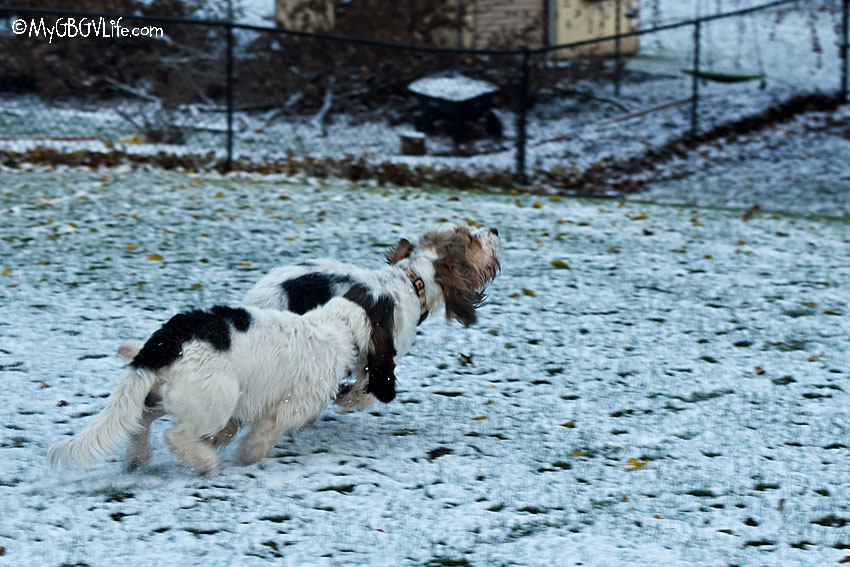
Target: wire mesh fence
(213,93)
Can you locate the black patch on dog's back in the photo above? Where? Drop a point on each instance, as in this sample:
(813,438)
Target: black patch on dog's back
(381,357)
(309,291)
(238,317)
(213,327)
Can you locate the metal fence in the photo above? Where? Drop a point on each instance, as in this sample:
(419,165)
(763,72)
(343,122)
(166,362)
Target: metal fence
(247,92)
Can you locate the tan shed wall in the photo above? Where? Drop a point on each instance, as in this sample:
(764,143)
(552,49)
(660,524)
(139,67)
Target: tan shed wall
(489,22)
(578,20)
(522,19)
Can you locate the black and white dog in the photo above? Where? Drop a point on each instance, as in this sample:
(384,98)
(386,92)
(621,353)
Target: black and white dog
(274,364)
(450,267)
(267,369)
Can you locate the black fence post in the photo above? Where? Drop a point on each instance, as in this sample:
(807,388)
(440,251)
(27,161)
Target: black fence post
(845,67)
(229,89)
(695,80)
(618,49)
(522,115)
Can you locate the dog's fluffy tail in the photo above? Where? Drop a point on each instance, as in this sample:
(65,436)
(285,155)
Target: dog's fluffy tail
(111,428)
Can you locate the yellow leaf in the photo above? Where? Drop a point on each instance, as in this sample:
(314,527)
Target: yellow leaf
(479,417)
(632,462)
(289,238)
(560,264)
(640,216)
(576,453)
(131,246)
(197,285)
(244,263)
(528,292)
(220,194)
(569,424)
(7,271)
(134,139)
(473,223)
(104,179)
(810,304)
(154,257)
(197,181)
(537,204)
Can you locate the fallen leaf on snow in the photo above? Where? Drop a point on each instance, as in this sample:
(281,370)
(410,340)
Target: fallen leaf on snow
(632,462)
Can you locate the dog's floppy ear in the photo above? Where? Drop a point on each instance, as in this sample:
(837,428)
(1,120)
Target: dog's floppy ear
(399,252)
(461,305)
(381,375)
(380,359)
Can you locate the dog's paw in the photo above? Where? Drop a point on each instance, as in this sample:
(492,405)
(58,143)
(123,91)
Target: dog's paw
(354,399)
(137,456)
(252,450)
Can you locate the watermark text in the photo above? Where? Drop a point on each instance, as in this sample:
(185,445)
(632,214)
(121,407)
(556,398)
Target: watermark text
(70,28)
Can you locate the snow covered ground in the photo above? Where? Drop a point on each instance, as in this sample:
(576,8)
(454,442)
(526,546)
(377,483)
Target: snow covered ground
(648,384)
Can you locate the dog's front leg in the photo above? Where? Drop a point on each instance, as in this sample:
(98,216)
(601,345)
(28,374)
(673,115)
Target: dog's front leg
(261,438)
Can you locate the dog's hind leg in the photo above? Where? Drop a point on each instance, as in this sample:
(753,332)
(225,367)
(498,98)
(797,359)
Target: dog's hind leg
(184,440)
(139,452)
(202,407)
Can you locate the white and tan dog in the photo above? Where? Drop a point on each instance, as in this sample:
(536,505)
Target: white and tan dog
(447,267)
(270,370)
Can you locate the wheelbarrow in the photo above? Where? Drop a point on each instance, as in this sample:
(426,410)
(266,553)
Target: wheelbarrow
(452,101)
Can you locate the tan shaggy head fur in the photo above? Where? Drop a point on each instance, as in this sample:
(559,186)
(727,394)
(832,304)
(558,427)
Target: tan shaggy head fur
(466,263)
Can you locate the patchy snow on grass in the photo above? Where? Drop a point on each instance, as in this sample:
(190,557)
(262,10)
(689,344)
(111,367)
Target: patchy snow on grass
(647,385)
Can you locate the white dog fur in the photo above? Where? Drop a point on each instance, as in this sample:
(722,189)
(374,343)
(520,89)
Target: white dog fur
(275,374)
